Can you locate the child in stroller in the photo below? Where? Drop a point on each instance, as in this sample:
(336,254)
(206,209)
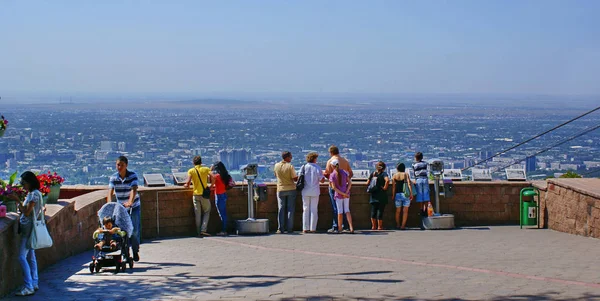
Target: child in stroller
(107,234)
(112,240)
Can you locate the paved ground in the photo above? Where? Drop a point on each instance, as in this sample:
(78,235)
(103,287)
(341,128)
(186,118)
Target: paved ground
(496,263)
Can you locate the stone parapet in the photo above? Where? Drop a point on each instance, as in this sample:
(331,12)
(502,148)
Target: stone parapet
(571,206)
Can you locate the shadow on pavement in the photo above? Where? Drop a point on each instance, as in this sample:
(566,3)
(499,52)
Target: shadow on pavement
(549,296)
(472,228)
(280,279)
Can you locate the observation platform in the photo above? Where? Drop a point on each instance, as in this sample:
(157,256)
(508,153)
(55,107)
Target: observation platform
(486,258)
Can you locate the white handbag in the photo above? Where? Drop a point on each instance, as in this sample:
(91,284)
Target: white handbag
(39,238)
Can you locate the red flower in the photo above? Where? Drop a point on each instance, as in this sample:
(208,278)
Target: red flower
(48,179)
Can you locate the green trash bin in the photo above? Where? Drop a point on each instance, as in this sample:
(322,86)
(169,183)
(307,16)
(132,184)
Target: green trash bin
(529,209)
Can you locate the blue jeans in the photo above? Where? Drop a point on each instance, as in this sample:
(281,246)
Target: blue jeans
(221,201)
(135,236)
(335,211)
(27,259)
(286,201)
(422,190)
(401,200)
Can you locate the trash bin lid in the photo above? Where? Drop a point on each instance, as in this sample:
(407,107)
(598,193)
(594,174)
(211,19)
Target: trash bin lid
(529,193)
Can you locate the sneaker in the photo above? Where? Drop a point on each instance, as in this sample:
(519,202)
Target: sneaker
(287,231)
(136,256)
(25,292)
(36,288)
(278,232)
(331,230)
(204,233)
(222,234)
(334,231)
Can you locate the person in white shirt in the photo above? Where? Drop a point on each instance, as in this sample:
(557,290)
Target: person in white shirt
(313,176)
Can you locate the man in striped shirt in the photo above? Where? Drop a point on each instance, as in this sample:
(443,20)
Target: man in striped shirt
(124,184)
(422,185)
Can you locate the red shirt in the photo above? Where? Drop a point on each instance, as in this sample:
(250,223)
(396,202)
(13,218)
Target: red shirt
(219,185)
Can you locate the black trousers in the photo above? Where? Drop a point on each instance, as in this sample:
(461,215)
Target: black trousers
(377,210)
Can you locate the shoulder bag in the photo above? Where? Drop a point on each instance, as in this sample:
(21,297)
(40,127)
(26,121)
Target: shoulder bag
(231,183)
(40,237)
(300,183)
(205,191)
(373,184)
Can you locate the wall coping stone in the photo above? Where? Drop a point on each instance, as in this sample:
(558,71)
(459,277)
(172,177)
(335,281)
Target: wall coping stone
(587,186)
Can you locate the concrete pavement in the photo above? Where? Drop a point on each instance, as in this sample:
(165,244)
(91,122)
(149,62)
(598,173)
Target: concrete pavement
(485,263)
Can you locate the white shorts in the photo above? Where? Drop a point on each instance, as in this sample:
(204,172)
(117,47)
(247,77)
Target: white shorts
(343,205)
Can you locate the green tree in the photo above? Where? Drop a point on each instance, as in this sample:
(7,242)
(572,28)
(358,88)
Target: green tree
(570,174)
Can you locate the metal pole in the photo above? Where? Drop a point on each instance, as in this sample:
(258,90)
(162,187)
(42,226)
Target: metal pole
(437,193)
(251,199)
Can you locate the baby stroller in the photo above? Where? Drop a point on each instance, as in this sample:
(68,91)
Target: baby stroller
(117,256)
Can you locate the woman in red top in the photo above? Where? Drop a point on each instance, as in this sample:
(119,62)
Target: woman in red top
(222,179)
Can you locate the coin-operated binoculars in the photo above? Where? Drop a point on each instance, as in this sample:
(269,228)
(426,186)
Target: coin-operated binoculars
(251,225)
(438,220)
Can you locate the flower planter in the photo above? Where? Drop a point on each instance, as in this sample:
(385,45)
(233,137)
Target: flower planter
(11,206)
(53,194)
(2,132)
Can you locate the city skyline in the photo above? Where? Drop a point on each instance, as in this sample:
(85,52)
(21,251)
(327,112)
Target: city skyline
(82,142)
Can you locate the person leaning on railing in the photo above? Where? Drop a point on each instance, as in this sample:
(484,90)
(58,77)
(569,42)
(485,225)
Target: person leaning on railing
(32,203)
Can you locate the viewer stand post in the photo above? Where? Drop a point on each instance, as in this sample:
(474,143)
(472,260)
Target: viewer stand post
(251,225)
(438,221)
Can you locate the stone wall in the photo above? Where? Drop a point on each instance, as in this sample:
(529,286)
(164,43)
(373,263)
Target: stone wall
(571,206)
(70,223)
(474,204)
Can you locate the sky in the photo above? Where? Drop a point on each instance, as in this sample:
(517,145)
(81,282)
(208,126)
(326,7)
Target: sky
(490,47)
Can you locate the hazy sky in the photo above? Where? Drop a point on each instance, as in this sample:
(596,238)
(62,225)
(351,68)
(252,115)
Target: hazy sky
(542,47)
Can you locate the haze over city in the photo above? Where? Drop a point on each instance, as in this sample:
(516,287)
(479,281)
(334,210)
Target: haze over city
(151,50)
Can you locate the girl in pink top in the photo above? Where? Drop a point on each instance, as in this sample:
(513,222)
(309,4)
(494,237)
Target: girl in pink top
(341,184)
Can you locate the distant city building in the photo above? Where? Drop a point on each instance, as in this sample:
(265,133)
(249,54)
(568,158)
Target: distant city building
(107,146)
(151,154)
(19,155)
(11,163)
(101,155)
(234,158)
(530,164)
(469,162)
(485,154)
(5,156)
(122,146)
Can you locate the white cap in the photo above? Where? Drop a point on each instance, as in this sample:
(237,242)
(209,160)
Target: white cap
(334,162)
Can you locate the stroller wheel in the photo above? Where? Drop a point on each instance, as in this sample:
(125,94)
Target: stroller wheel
(97,267)
(92,266)
(117,268)
(123,266)
(130,261)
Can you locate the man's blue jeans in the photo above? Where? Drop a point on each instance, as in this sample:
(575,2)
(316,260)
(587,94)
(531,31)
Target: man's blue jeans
(286,201)
(135,236)
(27,259)
(335,211)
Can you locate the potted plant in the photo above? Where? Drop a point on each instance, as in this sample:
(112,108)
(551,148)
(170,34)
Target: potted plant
(9,188)
(50,186)
(3,125)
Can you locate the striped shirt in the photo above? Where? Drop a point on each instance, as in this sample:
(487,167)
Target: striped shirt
(420,169)
(123,187)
